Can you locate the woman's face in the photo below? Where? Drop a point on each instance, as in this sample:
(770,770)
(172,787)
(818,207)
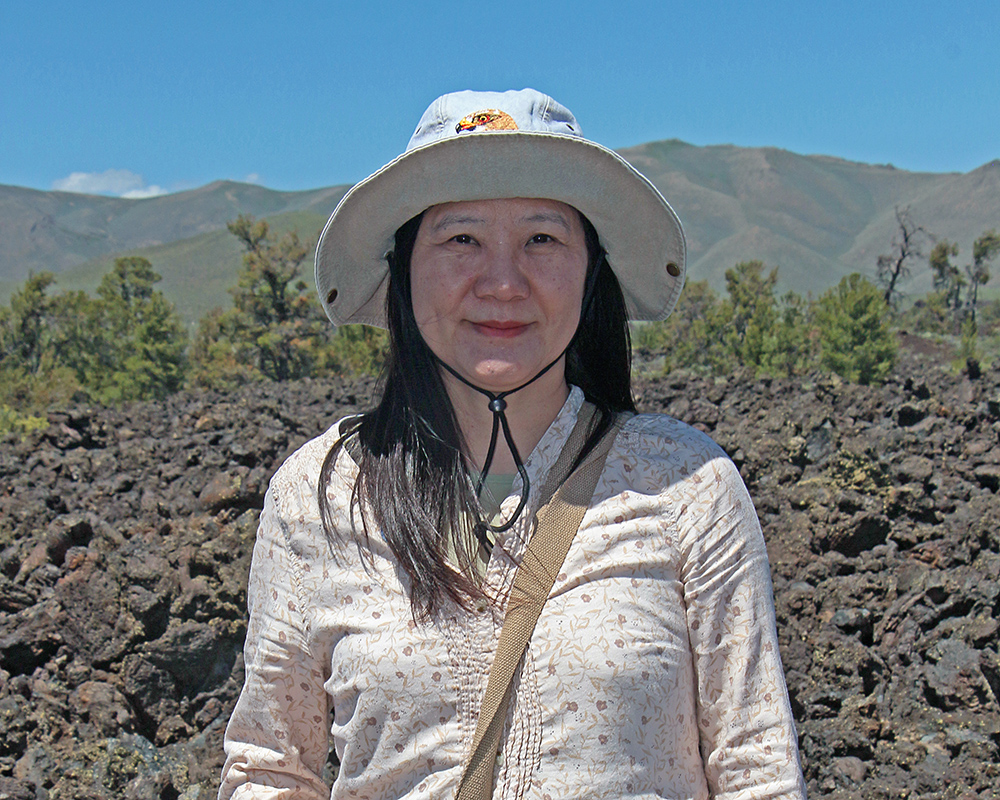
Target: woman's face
(497,286)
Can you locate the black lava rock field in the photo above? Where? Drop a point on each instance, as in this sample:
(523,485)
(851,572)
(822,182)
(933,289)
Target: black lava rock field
(125,539)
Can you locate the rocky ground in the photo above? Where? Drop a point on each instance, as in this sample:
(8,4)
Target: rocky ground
(125,539)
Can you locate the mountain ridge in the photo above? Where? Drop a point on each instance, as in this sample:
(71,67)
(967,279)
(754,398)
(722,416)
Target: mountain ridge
(815,217)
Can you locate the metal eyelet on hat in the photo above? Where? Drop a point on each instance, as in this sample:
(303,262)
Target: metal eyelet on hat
(673,270)
(331,296)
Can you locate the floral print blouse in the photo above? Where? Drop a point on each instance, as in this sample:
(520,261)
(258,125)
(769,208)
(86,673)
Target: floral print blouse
(653,671)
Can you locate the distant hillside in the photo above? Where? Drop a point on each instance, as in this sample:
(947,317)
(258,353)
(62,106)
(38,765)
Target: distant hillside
(198,272)
(184,234)
(817,218)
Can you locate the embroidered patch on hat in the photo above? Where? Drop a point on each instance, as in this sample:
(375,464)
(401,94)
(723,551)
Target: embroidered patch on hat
(489,119)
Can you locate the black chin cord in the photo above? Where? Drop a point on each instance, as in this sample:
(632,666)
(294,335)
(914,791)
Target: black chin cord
(498,405)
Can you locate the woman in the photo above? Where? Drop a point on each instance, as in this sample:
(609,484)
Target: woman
(505,254)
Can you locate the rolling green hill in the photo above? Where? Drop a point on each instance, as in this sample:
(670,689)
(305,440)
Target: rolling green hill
(817,218)
(77,237)
(198,272)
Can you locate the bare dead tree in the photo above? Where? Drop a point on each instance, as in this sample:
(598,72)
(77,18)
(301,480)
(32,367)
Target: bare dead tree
(906,246)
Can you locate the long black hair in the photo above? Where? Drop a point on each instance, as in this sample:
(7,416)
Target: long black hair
(413,485)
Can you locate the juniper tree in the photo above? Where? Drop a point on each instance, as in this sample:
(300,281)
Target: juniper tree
(140,342)
(852,321)
(984,250)
(275,329)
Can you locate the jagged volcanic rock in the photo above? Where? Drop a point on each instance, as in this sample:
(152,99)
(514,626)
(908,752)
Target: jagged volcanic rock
(125,538)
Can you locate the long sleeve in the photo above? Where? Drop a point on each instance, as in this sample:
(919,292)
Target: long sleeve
(747,735)
(653,671)
(277,739)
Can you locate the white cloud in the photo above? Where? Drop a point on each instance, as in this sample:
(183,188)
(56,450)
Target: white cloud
(120,182)
(253,177)
(146,191)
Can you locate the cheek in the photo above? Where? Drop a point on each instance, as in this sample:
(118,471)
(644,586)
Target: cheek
(435,294)
(565,293)
(421,278)
(419,299)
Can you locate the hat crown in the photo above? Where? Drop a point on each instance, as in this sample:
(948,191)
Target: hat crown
(494,146)
(466,113)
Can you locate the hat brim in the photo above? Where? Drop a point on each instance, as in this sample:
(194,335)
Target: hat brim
(639,230)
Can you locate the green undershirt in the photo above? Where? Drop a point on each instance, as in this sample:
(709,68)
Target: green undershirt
(495,490)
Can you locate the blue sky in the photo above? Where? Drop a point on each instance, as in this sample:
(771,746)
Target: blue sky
(142,97)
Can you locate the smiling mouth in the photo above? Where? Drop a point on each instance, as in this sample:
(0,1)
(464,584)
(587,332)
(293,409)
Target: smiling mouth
(500,328)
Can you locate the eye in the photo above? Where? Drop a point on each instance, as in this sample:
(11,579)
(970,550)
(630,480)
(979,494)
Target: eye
(541,238)
(462,238)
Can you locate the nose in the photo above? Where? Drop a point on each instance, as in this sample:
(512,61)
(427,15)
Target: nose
(501,276)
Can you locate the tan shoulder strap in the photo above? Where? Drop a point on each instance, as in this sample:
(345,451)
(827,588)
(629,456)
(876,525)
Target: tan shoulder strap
(565,501)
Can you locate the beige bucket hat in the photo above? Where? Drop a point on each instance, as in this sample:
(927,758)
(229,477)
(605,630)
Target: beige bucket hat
(492,145)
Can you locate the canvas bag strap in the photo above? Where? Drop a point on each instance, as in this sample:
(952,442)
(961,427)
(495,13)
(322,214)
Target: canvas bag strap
(565,501)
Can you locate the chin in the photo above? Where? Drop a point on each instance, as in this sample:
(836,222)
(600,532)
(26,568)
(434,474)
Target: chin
(497,375)
(500,380)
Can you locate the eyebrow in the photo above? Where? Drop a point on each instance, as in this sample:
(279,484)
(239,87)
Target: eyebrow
(549,216)
(459,219)
(455,219)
